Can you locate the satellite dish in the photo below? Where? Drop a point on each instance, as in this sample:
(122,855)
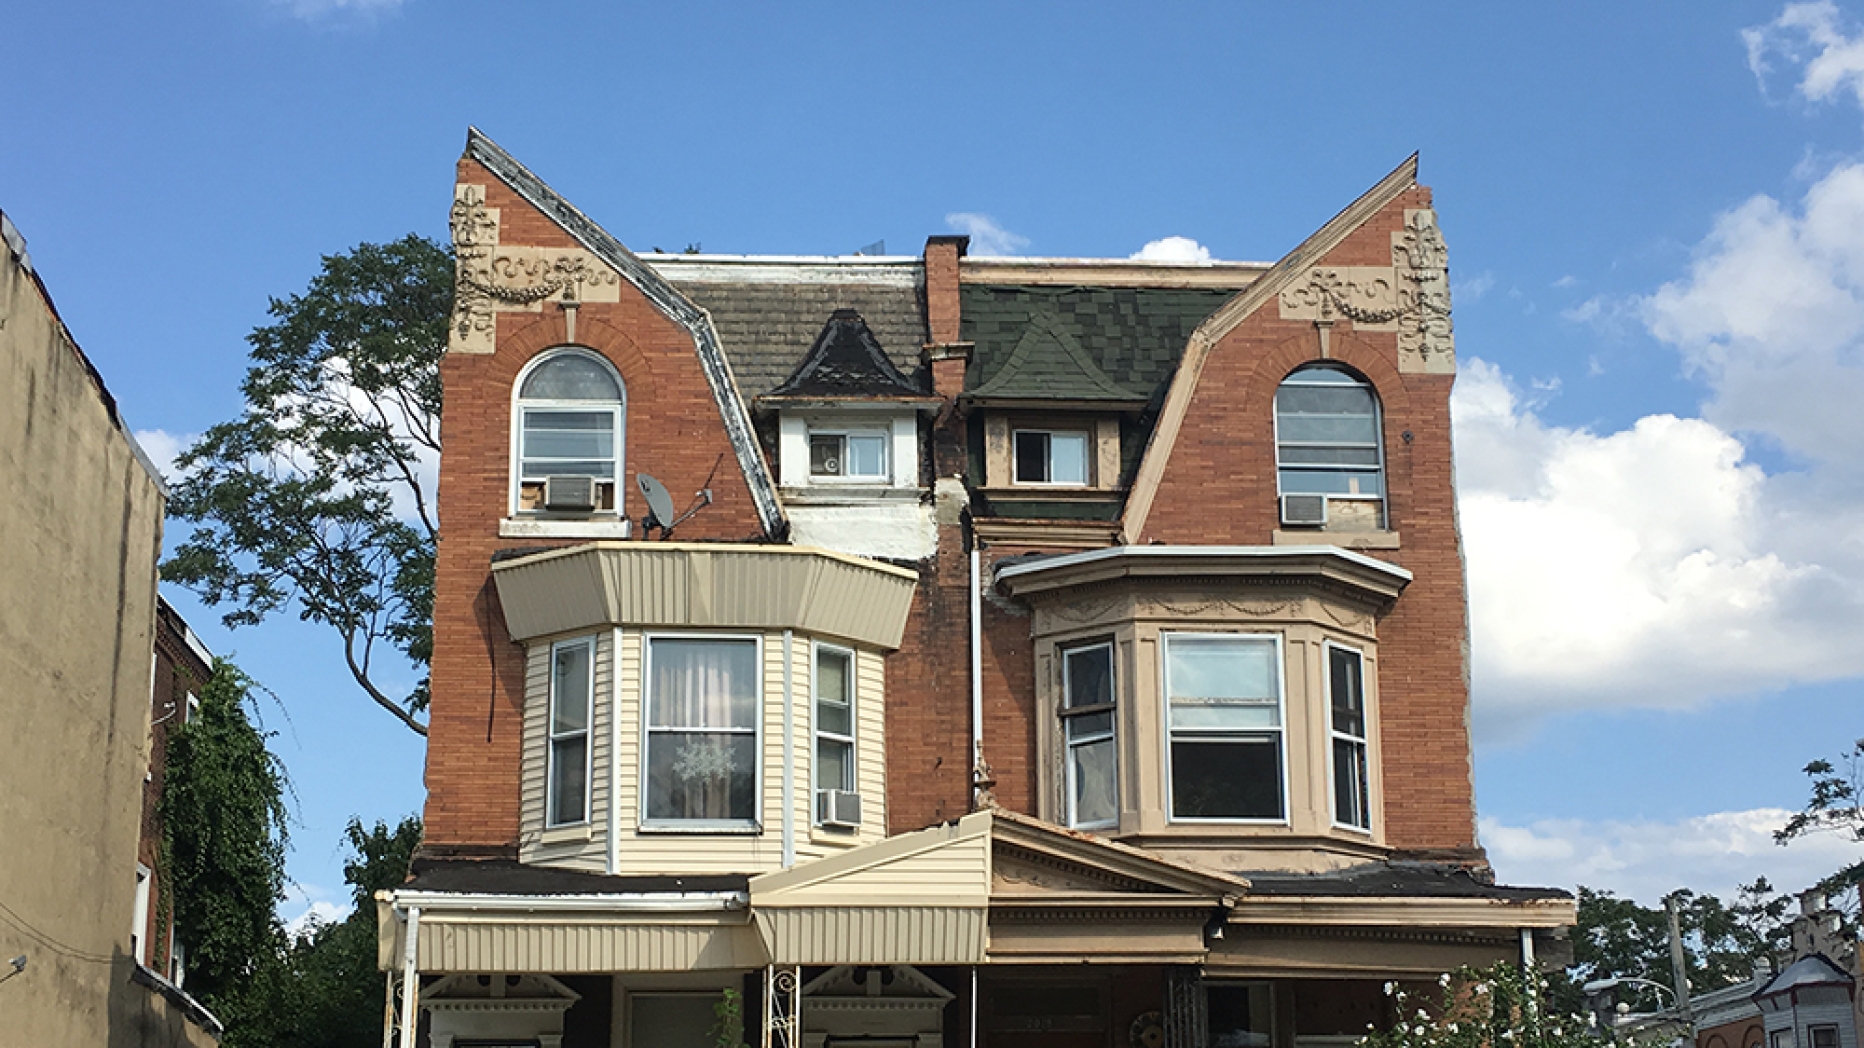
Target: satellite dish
(660,511)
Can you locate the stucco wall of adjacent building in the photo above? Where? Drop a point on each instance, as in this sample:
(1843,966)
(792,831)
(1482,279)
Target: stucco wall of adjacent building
(80,533)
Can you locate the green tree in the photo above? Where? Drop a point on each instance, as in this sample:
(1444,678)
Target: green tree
(331,996)
(1836,806)
(318,496)
(223,841)
(1620,937)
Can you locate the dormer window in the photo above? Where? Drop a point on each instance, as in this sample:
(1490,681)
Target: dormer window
(1044,456)
(569,416)
(859,455)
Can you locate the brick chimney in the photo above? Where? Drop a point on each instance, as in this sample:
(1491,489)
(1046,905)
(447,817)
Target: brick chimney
(945,354)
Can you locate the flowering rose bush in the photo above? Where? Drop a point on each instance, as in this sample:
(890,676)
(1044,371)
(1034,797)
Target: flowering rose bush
(1494,1007)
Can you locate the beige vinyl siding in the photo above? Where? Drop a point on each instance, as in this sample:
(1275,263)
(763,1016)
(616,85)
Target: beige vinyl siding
(582,846)
(618,716)
(584,944)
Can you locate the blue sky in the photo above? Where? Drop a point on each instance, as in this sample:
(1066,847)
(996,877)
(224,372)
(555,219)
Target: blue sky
(1656,223)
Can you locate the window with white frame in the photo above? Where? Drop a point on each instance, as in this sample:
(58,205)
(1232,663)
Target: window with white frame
(1346,690)
(701,709)
(569,417)
(1223,706)
(852,454)
(1090,777)
(572,694)
(1327,435)
(834,718)
(139,930)
(1050,456)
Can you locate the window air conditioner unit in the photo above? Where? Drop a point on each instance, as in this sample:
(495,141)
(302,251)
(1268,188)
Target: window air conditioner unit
(1304,510)
(569,493)
(840,809)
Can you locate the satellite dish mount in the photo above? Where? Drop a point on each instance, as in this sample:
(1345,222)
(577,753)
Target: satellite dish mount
(660,512)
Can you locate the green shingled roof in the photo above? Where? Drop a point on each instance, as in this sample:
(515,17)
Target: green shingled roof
(1078,343)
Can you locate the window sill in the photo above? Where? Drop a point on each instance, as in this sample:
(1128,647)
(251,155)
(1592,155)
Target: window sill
(541,528)
(729,829)
(574,833)
(1343,539)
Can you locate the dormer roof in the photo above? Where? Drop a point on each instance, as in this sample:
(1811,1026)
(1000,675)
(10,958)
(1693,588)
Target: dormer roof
(846,362)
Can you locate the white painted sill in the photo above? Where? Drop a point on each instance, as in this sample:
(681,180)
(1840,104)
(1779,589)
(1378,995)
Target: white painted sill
(538,528)
(1343,539)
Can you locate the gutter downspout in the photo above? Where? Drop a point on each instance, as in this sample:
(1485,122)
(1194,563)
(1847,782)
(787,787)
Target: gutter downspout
(410,979)
(977,680)
(789,756)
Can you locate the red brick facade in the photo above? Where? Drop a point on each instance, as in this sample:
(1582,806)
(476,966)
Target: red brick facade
(1224,451)
(674,431)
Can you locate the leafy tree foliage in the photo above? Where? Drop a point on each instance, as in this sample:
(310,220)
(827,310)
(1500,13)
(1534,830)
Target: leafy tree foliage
(1836,806)
(1620,937)
(319,494)
(223,819)
(322,989)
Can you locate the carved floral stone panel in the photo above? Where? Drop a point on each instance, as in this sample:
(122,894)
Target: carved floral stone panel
(1411,296)
(1425,339)
(490,279)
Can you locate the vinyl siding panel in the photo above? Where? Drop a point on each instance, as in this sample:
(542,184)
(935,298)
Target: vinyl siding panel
(560,946)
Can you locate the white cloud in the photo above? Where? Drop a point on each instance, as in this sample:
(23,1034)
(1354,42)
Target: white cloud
(1645,860)
(1643,567)
(163,447)
(1474,288)
(1814,39)
(320,10)
(1172,249)
(987,237)
(308,906)
(1771,313)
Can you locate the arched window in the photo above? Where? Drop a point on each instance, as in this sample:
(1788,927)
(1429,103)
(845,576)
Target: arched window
(1327,443)
(570,412)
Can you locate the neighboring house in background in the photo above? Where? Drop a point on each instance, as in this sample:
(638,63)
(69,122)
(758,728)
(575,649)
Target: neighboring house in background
(80,533)
(182,666)
(1810,1001)
(1049,652)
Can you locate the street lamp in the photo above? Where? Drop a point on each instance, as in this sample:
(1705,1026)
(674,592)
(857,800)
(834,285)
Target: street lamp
(1598,986)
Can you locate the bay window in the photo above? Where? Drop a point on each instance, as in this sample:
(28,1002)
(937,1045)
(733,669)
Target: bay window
(1223,698)
(572,694)
(702,707)
(1346,690)
(1090,767)
(834,718)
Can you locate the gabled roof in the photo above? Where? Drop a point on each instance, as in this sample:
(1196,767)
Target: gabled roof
(846,361)
(1814,969)
(1226,319)
(603,245)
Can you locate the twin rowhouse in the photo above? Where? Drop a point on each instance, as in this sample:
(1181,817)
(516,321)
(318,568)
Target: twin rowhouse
(936,650)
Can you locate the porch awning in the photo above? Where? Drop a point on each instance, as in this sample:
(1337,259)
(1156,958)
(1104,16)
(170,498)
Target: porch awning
(919,898)
(664,932)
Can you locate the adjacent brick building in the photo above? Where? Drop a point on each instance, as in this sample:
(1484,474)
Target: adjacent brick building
(1045,651)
